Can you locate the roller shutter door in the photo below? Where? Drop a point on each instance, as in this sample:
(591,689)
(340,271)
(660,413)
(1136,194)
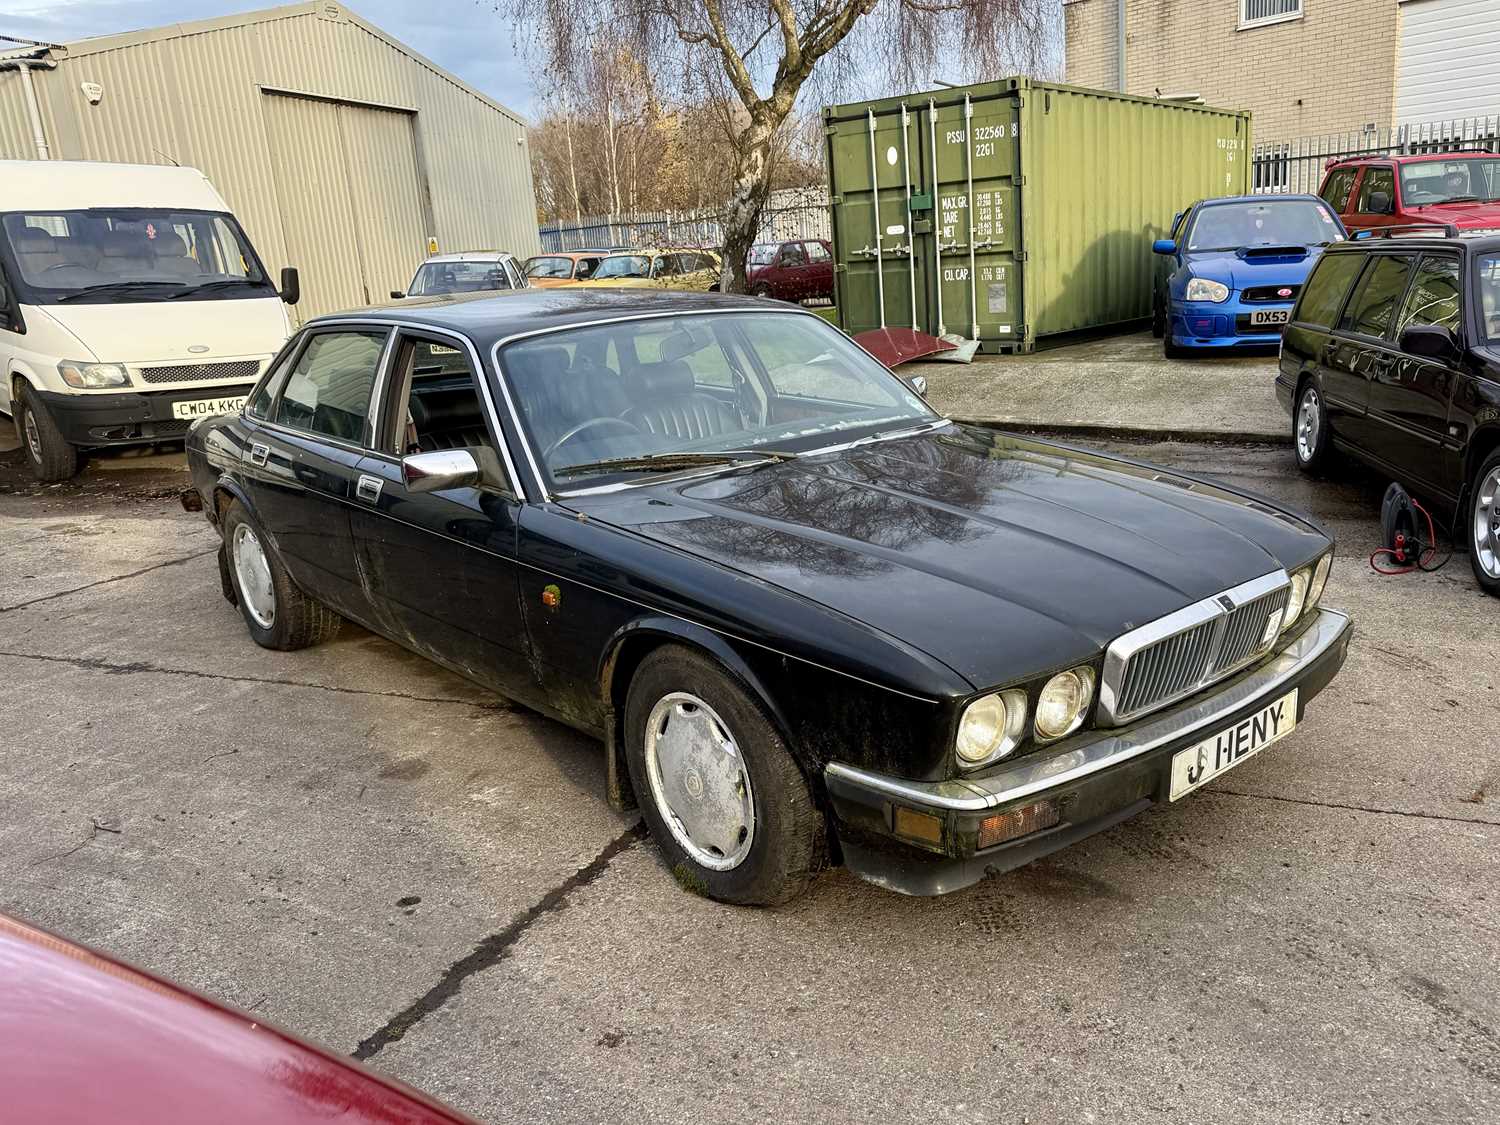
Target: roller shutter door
(1449,61)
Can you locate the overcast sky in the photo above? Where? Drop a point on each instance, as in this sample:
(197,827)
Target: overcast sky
(463,36)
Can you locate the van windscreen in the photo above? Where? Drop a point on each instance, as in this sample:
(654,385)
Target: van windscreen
(129,254)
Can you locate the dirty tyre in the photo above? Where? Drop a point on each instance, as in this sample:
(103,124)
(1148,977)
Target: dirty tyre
(276,612)
(725,802)
(1173,351)
(1484,525)
(1310,442)
(50,455)
(1158,321)
(761,291)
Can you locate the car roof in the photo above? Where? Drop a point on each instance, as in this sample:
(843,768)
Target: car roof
(1461,242)
(1409,158)
(1308,198)
(488,317)
(470,256)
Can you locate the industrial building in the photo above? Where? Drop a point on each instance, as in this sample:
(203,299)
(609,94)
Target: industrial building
(342,151)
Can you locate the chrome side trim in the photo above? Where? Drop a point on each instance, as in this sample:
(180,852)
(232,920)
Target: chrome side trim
(1034,773)
(1123,648)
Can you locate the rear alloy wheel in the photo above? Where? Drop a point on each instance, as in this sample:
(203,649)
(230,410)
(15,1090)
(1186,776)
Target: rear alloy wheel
(1310,429)
(276,612)
(1484,510)
(729,808)
(51,456)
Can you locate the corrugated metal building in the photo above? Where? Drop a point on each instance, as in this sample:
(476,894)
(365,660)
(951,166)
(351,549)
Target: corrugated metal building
(342,151)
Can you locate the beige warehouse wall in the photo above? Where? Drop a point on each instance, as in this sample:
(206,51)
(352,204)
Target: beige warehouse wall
(197,96)
(1330,71)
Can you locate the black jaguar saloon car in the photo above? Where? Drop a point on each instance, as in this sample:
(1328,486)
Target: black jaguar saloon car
(810,619)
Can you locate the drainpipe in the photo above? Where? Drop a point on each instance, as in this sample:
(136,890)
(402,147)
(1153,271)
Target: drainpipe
(1120,44)
(33,108)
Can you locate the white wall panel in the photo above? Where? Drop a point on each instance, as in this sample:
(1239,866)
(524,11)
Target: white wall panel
(1449,60)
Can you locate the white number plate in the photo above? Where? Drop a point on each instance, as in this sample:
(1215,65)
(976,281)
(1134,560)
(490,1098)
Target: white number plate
(1270,316)
(1198,765)
(198,407)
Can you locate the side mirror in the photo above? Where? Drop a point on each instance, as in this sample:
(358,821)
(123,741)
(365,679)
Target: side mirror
(440,469)
(1164,246)
(291,287)
(397,294)
(1380,202)
(918,383)
(1430,341)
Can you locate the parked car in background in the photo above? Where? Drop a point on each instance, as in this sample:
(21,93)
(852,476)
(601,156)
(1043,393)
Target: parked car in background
(131,302)
(1461,188)
(791,271)
(546,271)
(1232,268)
(657,269)
(466,271)
(807,615)
(1393,356)
(90,1039)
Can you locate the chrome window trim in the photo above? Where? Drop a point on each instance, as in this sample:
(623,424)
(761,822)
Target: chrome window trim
(479,373)
(504,381)
(1034,773)
(1118,654)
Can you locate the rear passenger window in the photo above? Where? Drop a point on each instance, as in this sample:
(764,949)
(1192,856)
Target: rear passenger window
(1324,293)
(1377,179)
(329,389)
(265,394)
(1374,304)
(1433,297)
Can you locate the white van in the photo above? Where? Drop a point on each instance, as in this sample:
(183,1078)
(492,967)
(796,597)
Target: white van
(131,303)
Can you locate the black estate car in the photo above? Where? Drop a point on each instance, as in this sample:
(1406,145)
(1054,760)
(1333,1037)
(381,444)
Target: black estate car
(810,618)
(1393,355)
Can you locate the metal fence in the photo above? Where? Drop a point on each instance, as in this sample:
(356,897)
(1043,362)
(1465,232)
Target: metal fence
(789,214)
(1298,166)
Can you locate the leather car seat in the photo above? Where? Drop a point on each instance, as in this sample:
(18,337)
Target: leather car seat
(537,373)
(124,252)
(172,258)
(667,403)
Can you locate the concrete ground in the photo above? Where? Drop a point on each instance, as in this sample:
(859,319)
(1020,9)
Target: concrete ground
(363,848)
(1115,383)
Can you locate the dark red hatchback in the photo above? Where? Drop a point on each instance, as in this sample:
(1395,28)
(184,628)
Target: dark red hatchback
(791,271)
(88,1039)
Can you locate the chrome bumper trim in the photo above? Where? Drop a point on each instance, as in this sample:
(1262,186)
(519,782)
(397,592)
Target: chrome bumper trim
(1035,773)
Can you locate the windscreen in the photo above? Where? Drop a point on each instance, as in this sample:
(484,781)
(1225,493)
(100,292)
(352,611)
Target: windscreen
(695,385)
(550,267)
(624,265)
(134,254)
(1450,181)
(459,277)
(1288,222)
(764,254)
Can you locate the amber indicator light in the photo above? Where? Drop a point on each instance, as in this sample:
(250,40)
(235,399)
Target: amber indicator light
(1011,825)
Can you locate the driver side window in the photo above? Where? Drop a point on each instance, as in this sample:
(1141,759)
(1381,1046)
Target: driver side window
(1381,180)
(436,400)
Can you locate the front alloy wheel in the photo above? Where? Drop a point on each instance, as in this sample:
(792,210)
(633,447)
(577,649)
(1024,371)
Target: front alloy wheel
(699,781)
(1485,553)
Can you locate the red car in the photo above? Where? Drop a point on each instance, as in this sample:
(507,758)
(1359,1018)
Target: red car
(88,1039)
(1461,188)
(791,271)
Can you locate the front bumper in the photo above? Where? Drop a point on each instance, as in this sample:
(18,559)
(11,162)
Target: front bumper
(129,418)
(1197,324)
(1096,784)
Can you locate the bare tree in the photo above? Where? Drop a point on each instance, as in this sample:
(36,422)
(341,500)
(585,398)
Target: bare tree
(763,54)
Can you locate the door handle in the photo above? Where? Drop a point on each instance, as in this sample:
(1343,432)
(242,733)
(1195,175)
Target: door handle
(259,453)
(368,488)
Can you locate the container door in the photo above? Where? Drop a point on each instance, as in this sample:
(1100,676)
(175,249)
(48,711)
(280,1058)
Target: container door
(971,155)
(875,160)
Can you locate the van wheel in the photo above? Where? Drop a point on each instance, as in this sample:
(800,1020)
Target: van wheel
(52,457)
(1484,522)
(1310,429)
(725,802)
(276,612)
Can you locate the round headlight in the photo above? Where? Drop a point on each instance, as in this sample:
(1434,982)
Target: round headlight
(1319,579)
(990,727)
(1064,701)
(1202,289)
(1297,598)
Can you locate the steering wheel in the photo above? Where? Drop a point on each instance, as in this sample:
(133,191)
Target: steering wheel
(589,424)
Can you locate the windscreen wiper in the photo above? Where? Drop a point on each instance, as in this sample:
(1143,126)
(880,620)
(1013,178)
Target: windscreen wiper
(116,287)
(211,286)
(669,461)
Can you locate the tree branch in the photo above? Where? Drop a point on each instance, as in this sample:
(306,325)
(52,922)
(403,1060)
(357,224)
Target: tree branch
(734,65)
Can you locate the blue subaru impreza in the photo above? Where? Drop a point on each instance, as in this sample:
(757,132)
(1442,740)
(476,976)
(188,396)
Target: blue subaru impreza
(1233,268)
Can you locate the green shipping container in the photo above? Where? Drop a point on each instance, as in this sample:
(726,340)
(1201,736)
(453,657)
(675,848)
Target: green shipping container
(1014,210)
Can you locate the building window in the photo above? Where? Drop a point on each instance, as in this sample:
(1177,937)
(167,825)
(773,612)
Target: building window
(1255,13)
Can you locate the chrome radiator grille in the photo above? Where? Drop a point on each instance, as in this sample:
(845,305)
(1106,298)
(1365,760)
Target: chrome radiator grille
(192,372)
(1177,655)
